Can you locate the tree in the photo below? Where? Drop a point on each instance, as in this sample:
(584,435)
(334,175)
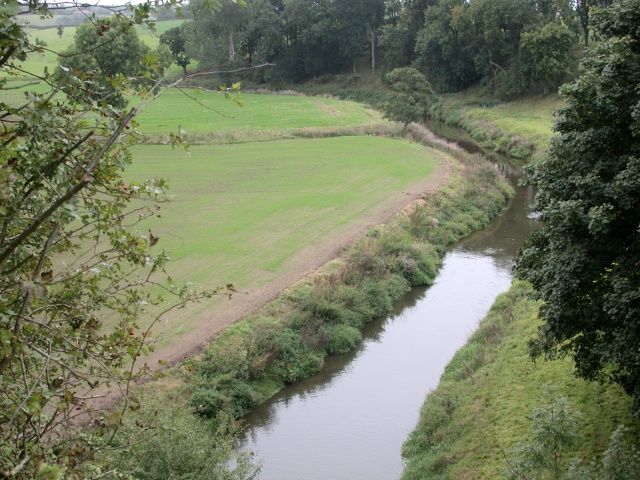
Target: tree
(214,34)
(75,266)
(446,46)
(410,98)
(109,54)
(584,260)
(554,430)
(583,7)
(175,39)
(545,56)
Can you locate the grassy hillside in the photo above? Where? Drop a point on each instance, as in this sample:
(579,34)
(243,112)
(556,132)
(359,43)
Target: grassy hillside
(241,212)
(482,406)
(520,129)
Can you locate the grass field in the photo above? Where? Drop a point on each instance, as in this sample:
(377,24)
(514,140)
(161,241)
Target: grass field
(481,408)
(240,212)
(212,112)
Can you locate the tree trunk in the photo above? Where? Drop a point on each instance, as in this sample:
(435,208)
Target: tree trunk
(373,49)
(232,47)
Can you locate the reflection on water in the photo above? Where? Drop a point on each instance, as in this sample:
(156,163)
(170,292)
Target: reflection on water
(350,420)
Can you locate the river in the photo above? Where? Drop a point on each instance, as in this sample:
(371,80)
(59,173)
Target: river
(349,421)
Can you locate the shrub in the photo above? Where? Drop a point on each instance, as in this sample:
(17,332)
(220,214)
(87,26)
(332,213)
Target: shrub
(342,338)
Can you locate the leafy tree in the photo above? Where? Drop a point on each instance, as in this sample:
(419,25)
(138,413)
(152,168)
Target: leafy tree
(75,266)
(410,98)
(546,57)
(216,31)
(175,39)
(583,7)
(584,260)
(108,54)
(446,46)
(554,430)
(264,38)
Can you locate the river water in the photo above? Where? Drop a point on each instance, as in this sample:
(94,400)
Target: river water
(349,421)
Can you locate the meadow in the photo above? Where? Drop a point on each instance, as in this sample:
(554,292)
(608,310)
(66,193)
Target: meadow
(240,213)
(252,206)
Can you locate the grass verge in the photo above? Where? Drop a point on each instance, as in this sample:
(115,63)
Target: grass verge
(480,409)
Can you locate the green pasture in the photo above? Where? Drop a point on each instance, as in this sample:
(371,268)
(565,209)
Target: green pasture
(239,213)
(197,111)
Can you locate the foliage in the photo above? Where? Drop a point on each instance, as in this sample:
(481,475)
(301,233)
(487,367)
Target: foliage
(583,262)
(174,445)
(175,39)
(553,431)
(410,98)
(107,56)
(444,48)
(511,46)
(76,268)
(545,55)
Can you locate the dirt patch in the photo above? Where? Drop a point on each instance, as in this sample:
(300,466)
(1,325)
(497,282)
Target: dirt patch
(329,110)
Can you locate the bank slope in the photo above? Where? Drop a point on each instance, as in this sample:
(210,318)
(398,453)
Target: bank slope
(481,409)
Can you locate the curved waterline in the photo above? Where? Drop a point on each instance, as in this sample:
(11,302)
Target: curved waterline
(350,420)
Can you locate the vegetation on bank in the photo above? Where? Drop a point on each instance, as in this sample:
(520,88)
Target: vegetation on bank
(288,339)
(519,129)
(480,411)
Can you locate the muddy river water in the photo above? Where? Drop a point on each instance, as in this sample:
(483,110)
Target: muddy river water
(349,421)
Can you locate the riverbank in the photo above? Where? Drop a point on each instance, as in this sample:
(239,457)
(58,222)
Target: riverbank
(520,129)
(482,407)
(481,410)
(324,314)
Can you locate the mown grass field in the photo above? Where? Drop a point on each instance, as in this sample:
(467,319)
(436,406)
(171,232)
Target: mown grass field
(482,406)
(212,112)
(239,213)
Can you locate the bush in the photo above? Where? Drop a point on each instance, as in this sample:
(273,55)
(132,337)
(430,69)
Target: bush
(176,446)
(342,338)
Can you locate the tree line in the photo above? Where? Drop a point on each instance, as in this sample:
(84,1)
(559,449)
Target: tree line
(510,46)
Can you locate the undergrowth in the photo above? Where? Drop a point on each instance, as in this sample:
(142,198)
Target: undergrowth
(289,339)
